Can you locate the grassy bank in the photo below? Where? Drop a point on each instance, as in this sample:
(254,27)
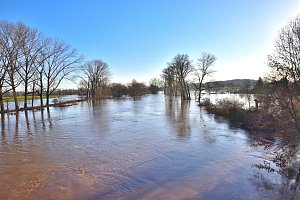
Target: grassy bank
(60,104)
(22,98)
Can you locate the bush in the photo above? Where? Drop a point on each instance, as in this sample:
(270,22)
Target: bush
(209,106)
(230,109)
(136,89)
(118,89)
(258,121)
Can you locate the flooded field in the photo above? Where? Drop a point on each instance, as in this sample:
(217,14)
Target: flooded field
(148,148)
(36,102)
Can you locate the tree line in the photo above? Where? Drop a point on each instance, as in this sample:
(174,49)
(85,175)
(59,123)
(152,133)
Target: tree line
(38,64)
(95,83)
(33,61)
(177,77)
(32,64)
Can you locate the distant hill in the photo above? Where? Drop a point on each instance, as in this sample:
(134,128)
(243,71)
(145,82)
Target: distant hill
(233,83)
(229,86)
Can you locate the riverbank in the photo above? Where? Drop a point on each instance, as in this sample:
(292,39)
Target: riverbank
(58,104)
(251,120)
(22,98)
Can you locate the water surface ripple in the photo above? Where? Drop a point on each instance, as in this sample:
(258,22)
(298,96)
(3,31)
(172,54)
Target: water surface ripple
(149,148)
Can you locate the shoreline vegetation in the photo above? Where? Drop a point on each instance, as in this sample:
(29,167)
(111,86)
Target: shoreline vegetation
(252,120)
(22,98)
(56,104)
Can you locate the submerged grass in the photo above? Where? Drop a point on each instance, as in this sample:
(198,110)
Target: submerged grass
(22,98)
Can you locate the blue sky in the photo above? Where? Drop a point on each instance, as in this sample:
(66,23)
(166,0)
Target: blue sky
(138,37)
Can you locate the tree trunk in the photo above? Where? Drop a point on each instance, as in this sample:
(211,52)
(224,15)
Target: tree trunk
(47,96)
(200,86)
(47,99)
(41,97)
(199,95)
(88,90)
(188,92)
(33,93)
(48,93)
(1,100)
(184,90)
(41,88)
(14,92)
(93,91)
(15,98)
(26,83)
(25,94)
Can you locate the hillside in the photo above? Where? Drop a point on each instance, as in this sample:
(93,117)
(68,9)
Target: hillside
(232,83)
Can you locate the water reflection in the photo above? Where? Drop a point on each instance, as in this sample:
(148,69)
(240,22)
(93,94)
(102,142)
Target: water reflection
(3,132)
(125,149)
(49,118)
(17,126)
(28,128)
(177,113)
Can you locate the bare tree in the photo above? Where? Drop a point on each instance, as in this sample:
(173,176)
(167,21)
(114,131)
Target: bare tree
(118,89)
(183,67)
(29,59)
(170,81)
(83,87)
(136,89)
(97,78)
(59,62)
(286,59)
(285,63)
(3,72)
(31,43)
(204,68)
(154,85)
(3,60)
(10,51)
(39,73)
(177,73)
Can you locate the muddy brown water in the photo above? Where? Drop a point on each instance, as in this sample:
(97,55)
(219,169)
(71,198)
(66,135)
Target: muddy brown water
(148,148)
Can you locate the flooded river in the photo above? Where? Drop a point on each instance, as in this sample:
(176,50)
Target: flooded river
(148,148)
